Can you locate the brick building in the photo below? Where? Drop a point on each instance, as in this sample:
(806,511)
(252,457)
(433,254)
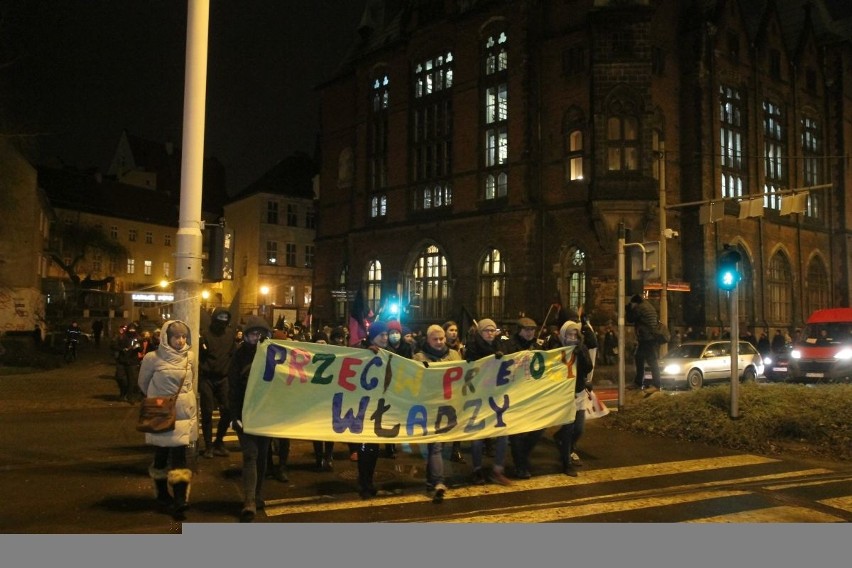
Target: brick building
(478,157)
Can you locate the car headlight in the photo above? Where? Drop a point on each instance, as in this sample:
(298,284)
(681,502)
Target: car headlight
(844,354)
(767,361)
(796,354)
(671,369)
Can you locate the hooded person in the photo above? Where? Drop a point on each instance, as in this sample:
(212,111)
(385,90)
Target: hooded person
(216,349)
(254,448)
(571,334)
(168,372)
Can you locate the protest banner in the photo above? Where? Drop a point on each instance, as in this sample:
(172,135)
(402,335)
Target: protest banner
(314,391)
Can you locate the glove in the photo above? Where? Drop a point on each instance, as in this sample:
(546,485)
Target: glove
(374,349)
(498,354)
(425,364)
(237,425)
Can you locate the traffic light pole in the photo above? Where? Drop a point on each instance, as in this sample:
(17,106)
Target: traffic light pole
(735,353)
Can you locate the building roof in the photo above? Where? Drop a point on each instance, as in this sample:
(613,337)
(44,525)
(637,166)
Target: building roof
(291,177)
(75,190)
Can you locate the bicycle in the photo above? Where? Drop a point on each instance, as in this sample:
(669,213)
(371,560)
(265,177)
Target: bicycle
(70,350)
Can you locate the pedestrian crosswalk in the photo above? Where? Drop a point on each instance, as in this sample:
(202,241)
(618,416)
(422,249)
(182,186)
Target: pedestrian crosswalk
(554,498)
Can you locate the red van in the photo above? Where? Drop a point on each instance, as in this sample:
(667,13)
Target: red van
(823,353)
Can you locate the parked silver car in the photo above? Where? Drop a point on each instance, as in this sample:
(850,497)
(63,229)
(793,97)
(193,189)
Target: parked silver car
(695,363)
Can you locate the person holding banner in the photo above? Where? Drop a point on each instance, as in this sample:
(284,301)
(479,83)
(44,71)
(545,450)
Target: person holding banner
(368,454)
(451,329)
(522,445)
(570,334)
(254,448)
(482,344)
(435,349)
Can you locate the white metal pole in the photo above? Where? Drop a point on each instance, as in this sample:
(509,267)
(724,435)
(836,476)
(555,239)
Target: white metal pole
(188,254)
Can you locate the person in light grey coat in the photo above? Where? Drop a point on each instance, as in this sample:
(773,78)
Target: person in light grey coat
(161,374)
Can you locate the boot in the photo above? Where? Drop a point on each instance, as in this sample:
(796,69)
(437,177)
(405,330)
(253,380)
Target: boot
(367,459)
(249,511)
(279,472)
(179,480)
(161,486)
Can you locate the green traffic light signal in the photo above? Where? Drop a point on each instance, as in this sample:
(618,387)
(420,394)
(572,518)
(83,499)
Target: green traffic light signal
(727,269)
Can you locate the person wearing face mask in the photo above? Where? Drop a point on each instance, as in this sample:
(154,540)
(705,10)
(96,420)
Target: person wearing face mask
(395,341)
(571,334)
(399,347)
(217,348)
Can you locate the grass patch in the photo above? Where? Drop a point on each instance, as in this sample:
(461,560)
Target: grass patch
(772,418)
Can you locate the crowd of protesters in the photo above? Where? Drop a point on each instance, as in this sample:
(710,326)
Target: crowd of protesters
(226,350)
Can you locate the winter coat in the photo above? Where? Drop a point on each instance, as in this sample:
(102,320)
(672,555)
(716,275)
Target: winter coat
(217,348)
(644,318)
(160,375)
(477,348)
(238,375)
(429,355)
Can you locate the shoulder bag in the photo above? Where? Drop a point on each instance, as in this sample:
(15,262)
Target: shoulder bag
(157,413)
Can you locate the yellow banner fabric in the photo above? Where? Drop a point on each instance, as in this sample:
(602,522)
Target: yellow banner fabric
(312,391)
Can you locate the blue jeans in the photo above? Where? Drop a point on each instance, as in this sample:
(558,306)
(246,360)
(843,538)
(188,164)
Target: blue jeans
(500,445)
(434,464)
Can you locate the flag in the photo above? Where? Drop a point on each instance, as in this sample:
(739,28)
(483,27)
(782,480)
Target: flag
(357,317)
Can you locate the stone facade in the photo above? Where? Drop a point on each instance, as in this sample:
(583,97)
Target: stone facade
(607,104)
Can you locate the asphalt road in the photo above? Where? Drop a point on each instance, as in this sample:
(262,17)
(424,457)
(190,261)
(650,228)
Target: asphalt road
(72,462)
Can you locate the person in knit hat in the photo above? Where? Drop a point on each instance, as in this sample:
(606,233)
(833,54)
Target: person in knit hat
(482,344)
(368,454)
(522,445)
(395,341)
(254,448)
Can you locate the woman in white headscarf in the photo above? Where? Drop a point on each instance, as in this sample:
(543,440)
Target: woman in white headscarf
(166,372)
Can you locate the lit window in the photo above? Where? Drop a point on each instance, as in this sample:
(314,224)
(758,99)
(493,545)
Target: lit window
(492,285)
(575,155)
(732,137)
(131,266)
(271,252)
(374,285)
(148,267)
(431,284)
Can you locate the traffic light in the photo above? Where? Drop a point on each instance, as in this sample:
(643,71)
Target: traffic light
(727,269)
(219,254)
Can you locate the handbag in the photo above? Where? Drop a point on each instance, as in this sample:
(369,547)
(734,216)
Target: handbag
(157,413)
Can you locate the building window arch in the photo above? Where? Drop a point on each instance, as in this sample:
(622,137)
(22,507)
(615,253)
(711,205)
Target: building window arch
(813,172)
(622,132)
(430,284)
(819,289)
(573,277)
(775,154)
(491,299)
(732,135)
(780,290)
(377,141)
(495,103)
(373,282)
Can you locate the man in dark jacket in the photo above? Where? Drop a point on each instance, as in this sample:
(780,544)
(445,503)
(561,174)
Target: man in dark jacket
(217,348)
(523,444)
(644,318)
(254,448)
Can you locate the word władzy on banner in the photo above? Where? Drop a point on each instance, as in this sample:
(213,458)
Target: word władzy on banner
(313,391)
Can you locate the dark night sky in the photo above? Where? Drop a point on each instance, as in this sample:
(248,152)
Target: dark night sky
(75,73)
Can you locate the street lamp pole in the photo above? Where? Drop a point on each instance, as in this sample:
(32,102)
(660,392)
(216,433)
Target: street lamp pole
(664,284)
